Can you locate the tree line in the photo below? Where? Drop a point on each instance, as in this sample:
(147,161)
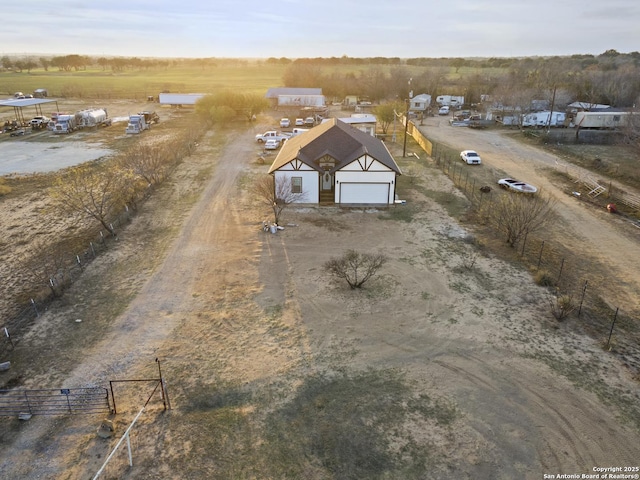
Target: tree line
(611,78)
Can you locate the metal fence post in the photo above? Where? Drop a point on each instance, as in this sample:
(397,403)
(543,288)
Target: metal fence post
(584,289)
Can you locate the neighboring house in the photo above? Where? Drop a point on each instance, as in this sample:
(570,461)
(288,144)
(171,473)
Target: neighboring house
(362,121)
(420,103)
(350,101)
(337,163)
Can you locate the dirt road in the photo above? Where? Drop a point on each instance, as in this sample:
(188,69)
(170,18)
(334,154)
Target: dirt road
(230,302)
(613,244)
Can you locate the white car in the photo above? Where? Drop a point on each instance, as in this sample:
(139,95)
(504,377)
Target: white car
(470,157)
(309,122)
(443,110)
(284,123)
(299,122)
(516,185)
(272,144)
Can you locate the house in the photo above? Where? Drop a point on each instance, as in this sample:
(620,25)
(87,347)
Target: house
(337,163)
(350,101)
(420,103)
(362,121)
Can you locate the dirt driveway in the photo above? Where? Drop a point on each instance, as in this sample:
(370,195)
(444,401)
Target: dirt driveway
(226,301)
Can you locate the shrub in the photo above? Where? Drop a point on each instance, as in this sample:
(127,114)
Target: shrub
(355,267)
(543,278)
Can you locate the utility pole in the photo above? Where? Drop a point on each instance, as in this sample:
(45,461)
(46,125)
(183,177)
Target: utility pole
(553,102)
(406,121)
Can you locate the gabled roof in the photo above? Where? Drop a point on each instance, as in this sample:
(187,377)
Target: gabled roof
(337,139)
(274,92)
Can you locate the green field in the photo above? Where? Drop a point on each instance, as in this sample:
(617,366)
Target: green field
(138,84)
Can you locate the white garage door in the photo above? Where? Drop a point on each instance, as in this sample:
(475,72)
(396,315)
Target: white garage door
(364,192)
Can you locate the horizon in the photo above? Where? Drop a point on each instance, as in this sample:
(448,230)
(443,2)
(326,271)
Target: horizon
(40,54)
(322,28)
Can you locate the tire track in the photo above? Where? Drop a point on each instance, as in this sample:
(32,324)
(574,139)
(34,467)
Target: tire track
(565,420)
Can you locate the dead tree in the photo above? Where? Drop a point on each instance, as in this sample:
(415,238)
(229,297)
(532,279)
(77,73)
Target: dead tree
(277,194)
(355,267)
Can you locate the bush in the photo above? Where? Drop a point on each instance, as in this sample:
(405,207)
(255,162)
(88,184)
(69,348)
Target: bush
(355,267)
(543,278)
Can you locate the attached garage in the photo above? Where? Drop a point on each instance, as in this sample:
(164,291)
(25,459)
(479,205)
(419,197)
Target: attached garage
(364,193)
(338,164)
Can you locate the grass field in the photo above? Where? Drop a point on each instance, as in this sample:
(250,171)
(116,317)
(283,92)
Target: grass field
(138,84)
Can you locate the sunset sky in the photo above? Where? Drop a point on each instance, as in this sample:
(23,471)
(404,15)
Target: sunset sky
(315,28)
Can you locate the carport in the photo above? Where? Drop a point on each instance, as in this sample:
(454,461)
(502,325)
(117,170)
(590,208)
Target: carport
(19,104)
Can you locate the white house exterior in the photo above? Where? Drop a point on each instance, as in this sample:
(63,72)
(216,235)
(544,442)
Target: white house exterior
(335,163)
(420,103)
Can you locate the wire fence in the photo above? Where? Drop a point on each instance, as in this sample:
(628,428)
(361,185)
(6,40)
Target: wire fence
(579,291)
(69,266)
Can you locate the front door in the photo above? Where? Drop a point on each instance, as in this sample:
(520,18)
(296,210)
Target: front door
(327,181)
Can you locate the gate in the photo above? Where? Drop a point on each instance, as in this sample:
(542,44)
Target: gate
(62,401)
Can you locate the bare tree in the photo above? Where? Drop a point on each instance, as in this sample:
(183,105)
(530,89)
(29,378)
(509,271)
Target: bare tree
(48,265)
(97,192)
(517,215)
(631,131)
(277,194)
(149,162)
(355,267)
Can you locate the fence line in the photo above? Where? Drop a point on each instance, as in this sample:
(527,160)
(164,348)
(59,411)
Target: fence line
(561,268)
(68,270)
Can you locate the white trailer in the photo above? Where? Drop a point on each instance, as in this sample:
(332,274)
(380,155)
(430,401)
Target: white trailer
(544,119)
(602,120)
(450,100)
(179,99)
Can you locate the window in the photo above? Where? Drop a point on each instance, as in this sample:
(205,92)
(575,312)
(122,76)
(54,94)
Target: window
(296,184)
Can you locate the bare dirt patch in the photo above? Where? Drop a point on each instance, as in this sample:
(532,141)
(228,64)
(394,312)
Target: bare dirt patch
(251,333)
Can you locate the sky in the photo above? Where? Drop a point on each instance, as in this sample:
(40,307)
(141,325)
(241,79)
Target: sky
(320,28)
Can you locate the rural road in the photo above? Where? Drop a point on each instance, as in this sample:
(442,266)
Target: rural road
(585,231)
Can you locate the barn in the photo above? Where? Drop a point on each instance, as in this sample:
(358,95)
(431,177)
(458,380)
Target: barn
(295,97)
(335,163)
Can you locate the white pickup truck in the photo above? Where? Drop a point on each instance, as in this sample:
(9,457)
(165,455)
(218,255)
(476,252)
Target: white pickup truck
(272,134)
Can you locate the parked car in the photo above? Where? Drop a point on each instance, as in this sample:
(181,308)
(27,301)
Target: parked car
(470,157)
(272,144)
(309,122)
(516,185)
(284,123)
(299,122)
(443,110)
